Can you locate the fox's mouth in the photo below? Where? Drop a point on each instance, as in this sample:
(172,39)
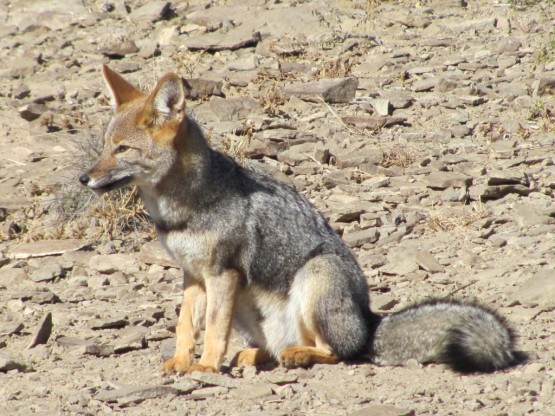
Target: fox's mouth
(110,186)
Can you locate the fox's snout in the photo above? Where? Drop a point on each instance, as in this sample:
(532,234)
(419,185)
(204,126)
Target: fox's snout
(84,179)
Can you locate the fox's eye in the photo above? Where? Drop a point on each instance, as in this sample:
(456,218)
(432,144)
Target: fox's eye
(122,148)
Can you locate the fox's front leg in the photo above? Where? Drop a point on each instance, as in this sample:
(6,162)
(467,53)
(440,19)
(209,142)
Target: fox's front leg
(220,300)
(191,318)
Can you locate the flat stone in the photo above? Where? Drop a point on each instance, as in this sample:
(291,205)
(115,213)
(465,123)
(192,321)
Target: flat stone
(381,105)
(43,331)
(374,123)
(423,85)
(97,349)
(47,272)
(281,379)
(473,100)
(338,90)
(46,248)
(152,11)
(444,180)
(233,109)
(185,386)
(497,192)
(153,253)
(135,394)
(428,262)
(545,86)
(509,44)
(130,339)
(446,84)
(18,67)
(32,111)
(399,100)
(401,268)
(538,290)
(214,379)
(119,48)
(108,323)
(196,88)
(11,328)
(382,410)
(111,263)
(506,177)
(253,392)
(359,238)
(237,38)
(527,215)
(370,155)
(461,131)
(9,364)
(10,277)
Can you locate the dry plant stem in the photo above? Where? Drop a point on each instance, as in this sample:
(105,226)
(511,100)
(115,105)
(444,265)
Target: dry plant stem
(447,222)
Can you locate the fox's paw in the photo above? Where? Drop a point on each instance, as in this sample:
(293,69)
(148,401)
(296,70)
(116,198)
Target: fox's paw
(176,365)
(295,357)
(251,356)
(306,356)
(202,368)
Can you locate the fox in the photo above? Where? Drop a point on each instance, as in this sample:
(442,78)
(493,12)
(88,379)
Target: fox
(259,258)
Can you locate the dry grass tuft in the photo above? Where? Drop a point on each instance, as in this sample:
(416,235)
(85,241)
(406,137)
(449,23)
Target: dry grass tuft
(272,98)
(448,220)
(111,216)
(400,155)
(70,210)
(236,147)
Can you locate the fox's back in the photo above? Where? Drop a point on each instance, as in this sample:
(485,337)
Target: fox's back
(265,228)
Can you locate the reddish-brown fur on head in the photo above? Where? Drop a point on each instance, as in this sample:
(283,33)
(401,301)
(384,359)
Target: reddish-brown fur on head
(140,141)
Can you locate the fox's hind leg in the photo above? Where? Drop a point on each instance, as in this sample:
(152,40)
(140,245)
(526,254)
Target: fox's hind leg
(252,356)
(304,356)
(329,302)
(191,318)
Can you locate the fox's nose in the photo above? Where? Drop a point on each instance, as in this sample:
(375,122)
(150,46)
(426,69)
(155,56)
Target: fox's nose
(84,179)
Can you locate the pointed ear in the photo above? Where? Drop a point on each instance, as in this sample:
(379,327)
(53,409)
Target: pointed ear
(120,90)
(168,99)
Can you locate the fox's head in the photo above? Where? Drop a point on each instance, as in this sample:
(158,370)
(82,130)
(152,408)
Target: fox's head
(139,146)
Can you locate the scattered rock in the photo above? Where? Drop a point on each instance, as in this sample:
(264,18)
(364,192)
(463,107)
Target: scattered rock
(539,291)
(153,253)
(134,394)
(107,323)
(46,248)
(43,331)
(374,123)
(215,379)
(152,11)
(130,339)
(9,364)
(340,90)
(428,262)
(196,88)
(47,272)
(253,392)
(11,328)
(111,263)
(383,410)
(358,238)
(237,38)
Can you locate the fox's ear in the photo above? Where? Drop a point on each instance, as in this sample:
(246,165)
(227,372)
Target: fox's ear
(168,99)
(120,90)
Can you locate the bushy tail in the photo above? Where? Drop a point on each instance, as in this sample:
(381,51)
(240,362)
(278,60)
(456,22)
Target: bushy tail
(466,337)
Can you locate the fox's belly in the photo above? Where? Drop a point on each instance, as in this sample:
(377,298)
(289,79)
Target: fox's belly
(267,320)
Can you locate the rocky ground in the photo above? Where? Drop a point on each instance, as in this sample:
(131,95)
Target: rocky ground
(423,130)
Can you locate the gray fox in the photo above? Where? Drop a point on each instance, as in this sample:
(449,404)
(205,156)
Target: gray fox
(258,257)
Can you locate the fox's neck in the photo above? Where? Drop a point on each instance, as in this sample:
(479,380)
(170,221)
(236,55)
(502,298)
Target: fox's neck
(172,202)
